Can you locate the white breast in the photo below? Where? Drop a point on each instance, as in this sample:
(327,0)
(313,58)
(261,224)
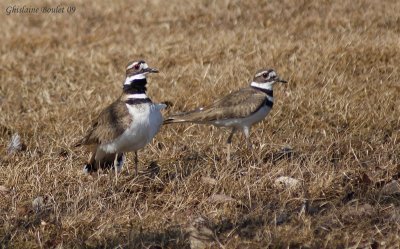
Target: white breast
(146,122)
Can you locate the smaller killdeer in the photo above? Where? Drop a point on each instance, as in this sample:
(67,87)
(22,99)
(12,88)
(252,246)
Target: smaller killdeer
(126,125)
(238,110)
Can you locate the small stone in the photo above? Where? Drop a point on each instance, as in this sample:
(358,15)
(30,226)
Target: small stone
(391,188)
(201,234)
(358,211)
(15,144)
(209,180)
(4,189)
(38,203)
(220,198)
(285,182)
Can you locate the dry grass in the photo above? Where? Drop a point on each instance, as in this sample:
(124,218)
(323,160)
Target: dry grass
(339,114)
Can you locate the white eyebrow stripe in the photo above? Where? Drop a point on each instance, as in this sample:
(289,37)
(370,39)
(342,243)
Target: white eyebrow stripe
(261,73)
(270,73)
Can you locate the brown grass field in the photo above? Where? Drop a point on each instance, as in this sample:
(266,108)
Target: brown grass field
(335,127)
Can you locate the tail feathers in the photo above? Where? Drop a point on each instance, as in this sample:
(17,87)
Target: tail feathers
(182,117)
(105,163)
(172,120)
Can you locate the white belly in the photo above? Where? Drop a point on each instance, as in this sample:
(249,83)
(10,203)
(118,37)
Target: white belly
(245,122)
(146,122)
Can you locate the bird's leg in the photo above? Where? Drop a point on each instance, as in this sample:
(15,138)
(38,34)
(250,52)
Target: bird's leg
(115,162)
(136,163)
(229,141)
(116,167)
(246,131)
(231,136)
(120,162)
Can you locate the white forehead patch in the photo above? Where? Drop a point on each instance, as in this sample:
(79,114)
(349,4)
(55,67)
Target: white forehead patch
(144,65)
(272,74)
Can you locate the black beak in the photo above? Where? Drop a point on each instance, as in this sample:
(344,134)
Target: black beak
(281,80)
(150,70)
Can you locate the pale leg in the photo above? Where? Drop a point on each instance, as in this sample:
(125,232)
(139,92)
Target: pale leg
(229,141)
(116,167)
(246,131)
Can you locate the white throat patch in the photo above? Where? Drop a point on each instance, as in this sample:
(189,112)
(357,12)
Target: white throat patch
(266,86)
(129,79)
(137,96)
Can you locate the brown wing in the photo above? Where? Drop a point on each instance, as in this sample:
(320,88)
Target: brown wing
(238,104)
(111,123)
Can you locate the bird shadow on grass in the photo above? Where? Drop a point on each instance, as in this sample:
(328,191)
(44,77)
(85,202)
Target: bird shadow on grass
(172,237)
(179,237)
(155,176)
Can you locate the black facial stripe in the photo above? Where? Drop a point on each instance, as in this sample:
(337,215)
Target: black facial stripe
(134,101)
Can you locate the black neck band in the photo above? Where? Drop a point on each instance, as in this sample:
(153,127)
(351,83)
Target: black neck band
(134,101)
(268,103)
(269,92)
(135,86)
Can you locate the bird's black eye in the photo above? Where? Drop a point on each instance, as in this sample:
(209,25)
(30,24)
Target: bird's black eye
(265,75)
(137,66)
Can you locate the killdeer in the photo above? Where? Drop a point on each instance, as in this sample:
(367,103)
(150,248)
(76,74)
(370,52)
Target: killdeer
(126,125)
(238,110)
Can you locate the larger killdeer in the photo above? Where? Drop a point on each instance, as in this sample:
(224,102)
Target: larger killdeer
(126,125)
(238,110)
